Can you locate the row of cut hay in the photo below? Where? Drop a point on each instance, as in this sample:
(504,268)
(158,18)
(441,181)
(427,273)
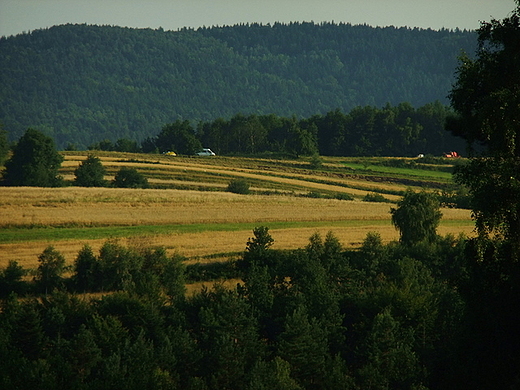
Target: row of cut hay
(310,180)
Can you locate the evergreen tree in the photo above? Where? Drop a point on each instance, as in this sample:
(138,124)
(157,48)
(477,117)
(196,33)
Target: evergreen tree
(258,249)
(11,279)
(86,276)
(303,344)
(228,336)
(90,173)
(272,375)
(391,361)
(174,278)
(28,335)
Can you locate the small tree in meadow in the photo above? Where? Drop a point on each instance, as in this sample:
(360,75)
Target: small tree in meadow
(90,173)
(130,178)
(239,186)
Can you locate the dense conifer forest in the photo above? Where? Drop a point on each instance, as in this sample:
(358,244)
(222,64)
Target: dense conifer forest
(81,84)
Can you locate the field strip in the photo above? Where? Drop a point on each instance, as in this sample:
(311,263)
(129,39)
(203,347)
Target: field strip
(194,241)
(400,171)
(299,180)
(92,233)
(315,181)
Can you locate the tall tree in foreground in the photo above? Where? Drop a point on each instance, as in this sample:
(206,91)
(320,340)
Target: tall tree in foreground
(486,97)
(35,162)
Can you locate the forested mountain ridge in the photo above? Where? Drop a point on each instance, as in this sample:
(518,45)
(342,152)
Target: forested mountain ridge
(80,83)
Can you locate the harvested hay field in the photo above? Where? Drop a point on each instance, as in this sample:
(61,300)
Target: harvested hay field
(188,211)
(74,206)
(192,223)
(266,175)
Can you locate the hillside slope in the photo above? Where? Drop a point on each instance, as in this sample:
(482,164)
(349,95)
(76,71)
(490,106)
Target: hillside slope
(81,83)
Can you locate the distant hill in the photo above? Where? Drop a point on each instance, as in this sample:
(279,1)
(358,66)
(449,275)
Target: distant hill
(82,83)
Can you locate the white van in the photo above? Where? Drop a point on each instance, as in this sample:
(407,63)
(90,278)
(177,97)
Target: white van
(206,152)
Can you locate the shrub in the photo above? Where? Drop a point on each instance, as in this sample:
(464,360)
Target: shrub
(374,198)
(238,186)
(343,196)
(313,194)
(130,178)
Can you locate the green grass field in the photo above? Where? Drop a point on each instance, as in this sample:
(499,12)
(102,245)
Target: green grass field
(417,173)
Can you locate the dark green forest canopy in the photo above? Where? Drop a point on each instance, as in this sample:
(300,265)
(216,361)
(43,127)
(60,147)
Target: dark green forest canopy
(81,84)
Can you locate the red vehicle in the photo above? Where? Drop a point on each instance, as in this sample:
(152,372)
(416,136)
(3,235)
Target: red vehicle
(451,155)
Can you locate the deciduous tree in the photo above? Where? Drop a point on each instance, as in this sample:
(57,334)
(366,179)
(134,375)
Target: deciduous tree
(486,97)
(35,162)
(416,217)
(50,269)
(178,137)
(130,178)
(4,144)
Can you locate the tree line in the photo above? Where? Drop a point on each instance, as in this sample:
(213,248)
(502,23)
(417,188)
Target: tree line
(364,131)
(34,161)
(80,83)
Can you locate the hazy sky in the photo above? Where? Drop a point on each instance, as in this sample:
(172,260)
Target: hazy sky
(17,16)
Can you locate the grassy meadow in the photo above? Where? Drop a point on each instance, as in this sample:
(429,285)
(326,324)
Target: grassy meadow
(187,209)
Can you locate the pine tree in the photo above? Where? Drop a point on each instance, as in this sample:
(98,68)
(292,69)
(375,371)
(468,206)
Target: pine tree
(90,173)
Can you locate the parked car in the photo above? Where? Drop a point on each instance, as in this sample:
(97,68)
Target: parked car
(206,152)
(170,153)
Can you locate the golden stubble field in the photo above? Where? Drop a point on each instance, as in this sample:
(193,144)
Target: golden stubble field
(350,221)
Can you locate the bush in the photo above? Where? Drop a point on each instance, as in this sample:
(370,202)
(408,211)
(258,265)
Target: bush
(239,186)
(313,194)
(374,198)
(130,178)
(343,196)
